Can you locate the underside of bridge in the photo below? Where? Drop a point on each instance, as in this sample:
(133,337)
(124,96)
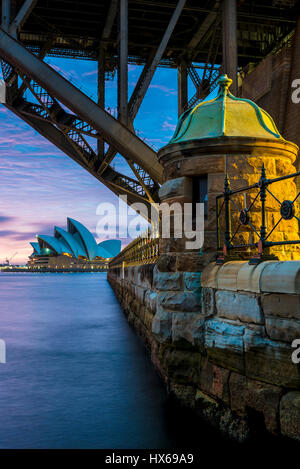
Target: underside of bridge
(200,39)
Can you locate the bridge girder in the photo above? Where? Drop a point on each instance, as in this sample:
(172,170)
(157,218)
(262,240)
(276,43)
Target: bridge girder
(115,133)
(49,131)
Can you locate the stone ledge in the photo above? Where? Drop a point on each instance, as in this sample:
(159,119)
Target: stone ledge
(227,275)
(209,275)
(281,277)
(248,277)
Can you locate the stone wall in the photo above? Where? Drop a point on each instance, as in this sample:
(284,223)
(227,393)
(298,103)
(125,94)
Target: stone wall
(255,316)
(221,338)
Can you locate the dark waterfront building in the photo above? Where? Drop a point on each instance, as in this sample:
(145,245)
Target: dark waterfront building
(75,249)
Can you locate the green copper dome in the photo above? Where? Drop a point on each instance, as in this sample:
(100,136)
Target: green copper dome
(225,116)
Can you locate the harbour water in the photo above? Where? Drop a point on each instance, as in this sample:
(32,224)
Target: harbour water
(76,374)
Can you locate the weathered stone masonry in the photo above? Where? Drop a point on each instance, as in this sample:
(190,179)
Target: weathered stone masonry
(231,351)
(220,335)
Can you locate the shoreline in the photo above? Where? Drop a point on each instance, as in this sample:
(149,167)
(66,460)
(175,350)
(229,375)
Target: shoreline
(53,271)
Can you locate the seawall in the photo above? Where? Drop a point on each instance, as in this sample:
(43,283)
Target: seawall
(221,339)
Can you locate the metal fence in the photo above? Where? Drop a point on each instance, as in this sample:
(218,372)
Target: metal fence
(229,214)
(142,250)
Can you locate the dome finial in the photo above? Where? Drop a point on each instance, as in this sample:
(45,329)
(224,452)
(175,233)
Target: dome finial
(224,82)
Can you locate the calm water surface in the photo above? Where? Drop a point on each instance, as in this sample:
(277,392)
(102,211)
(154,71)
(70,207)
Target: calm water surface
(77,376)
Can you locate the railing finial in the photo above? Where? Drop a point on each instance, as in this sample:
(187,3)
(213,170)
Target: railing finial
(226,184)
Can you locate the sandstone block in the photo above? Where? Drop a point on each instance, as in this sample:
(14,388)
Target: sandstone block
(214,380)
(172,188)
(150,300)
(188,328)
(227,275)
(269,361)
(281,305)
(182,367)
(248,277)
(192,261)
(290,415)
(208,303)
(282,329)
(192,280)
(147,320)
(180,301)
(167,280)
(185,394)
(145,275)
(239,306)
(162,325)
(224,343)
(166,263)
(247,393)
(281,277)
(140,293)
(209,275)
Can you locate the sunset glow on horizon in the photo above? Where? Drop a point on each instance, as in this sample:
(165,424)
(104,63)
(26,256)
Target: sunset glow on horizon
(41,186)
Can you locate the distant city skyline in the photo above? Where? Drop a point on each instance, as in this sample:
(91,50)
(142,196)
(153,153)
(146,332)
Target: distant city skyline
(40,185)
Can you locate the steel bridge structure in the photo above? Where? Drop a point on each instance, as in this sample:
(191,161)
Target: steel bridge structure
(198,38)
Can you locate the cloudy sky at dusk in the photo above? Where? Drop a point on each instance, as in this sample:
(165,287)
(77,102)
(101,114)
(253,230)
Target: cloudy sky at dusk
(40,186)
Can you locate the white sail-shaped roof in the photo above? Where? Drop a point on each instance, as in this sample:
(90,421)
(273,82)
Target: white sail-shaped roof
(36,247)
(78,241)
(111,246)
(52,243)
(75,247)
(88,240)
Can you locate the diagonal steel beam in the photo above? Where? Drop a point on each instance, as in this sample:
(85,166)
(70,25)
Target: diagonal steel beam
(145,78)
(56,137)
(106,32)
(5,14)
(110,19)
(73,128)
(203,28)
(116,134)
(149,72)
(123,63)
(21,16)
(51,109)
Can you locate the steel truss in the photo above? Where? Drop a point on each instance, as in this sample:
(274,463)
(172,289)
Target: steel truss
(73,129)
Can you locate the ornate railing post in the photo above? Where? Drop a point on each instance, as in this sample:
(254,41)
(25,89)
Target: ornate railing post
(227,193)
(263,230)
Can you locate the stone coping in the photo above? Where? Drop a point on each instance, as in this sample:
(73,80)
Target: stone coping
(266,277)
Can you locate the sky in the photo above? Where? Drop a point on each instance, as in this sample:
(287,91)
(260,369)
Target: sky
(41,186)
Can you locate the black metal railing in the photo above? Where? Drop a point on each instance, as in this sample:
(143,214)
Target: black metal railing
(142,250)
(255,201)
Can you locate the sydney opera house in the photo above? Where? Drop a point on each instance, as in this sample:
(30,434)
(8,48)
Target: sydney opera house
(74,249)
